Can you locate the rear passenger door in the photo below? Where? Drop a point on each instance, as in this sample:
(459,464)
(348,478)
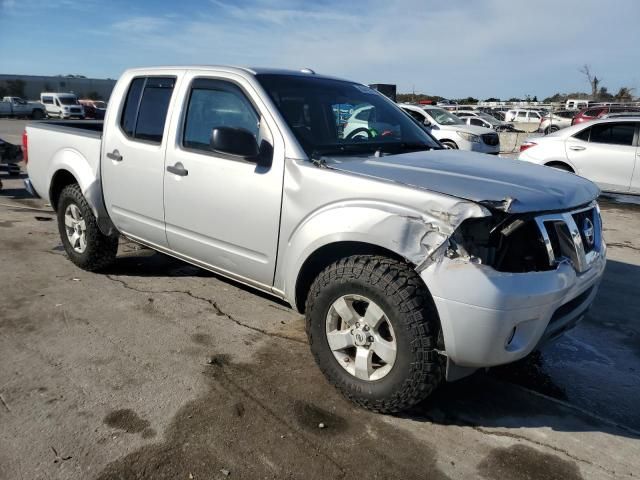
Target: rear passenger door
(606,154)
(132,162)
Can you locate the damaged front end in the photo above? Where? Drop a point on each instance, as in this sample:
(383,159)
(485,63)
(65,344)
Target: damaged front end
(530,242)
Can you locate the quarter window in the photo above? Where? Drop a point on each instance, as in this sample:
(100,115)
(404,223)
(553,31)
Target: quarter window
(613,133)
(146,106)
(213,104)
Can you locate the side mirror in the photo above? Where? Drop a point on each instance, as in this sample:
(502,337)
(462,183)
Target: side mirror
(426,122)
(234,141)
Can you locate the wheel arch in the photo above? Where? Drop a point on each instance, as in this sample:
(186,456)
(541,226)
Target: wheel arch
(560,164)
(328,254)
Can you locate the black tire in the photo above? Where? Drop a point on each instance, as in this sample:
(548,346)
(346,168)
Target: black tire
(449,143)
(100,251)
(401,294)
(37,114)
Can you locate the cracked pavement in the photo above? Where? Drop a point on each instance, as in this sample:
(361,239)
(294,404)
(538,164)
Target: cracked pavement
(158,369)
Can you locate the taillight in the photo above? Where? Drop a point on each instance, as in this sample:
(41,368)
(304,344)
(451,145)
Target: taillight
(527,145)
(25,147)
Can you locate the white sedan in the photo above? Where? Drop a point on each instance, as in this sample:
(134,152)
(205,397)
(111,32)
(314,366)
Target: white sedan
(606,152)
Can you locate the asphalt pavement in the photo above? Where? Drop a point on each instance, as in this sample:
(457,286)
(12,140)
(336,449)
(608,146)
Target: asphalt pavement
(158,369)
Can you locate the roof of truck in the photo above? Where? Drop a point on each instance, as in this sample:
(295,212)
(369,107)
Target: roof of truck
(303,72)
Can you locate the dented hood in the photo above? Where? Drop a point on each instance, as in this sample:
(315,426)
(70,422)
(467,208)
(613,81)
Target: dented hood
(511,185)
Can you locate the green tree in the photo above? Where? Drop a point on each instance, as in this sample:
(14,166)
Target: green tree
(625,94)
(492,99)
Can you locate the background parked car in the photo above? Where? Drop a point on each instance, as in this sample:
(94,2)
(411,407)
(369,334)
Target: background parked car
(94,109)
(18,107)
(482,119)
(604,151)
(523,116)
(592,113)
(452,132)
(554,121)
(62,105)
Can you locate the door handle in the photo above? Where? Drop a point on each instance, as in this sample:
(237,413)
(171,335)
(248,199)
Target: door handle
(577,148)
(115,156)
(178,169)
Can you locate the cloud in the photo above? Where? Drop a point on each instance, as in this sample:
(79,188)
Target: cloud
(141,25)
(490,48)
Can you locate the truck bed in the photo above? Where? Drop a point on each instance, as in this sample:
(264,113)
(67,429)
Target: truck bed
(63,144)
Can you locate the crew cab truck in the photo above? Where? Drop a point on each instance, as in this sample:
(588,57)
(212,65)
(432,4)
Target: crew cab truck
(18,107)
(411,262)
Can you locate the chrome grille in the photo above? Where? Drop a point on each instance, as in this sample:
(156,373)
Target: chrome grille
(574,236)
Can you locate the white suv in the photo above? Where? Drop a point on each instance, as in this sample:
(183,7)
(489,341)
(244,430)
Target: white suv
(523,116)
(452,132)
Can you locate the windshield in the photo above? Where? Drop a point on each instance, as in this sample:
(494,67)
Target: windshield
(68,100)
(442,117)
(338,117)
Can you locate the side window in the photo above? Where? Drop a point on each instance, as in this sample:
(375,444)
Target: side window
(130,111)
(534,115)
(522,114)
(583,134)
(212,104)
(364,114)
(146,106)
(416,116)
(592,113)
(476,121)
(613,133)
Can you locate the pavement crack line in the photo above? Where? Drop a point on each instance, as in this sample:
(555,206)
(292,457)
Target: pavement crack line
(219,312)
(623,245)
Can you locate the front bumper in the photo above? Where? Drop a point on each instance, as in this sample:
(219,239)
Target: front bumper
(491,318)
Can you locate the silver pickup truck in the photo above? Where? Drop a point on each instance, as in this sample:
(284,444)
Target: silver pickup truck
(411,262)
(18,107)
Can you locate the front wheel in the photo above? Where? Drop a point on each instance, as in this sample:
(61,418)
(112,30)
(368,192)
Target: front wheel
(83,241)
(450,144)
(373,331)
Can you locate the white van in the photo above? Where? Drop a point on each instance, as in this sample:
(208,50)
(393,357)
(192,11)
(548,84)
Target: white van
(523,116)
(62,105)
(576,104)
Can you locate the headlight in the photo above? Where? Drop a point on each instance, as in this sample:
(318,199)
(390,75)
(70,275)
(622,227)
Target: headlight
(66,109)
(469,137)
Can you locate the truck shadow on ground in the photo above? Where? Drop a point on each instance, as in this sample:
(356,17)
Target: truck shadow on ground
(513,396)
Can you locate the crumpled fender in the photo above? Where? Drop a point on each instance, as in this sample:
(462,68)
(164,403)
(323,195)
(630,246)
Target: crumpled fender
(420,236)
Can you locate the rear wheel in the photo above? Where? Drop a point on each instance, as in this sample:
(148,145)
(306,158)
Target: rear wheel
(373,330)
(83,241)
(37,115)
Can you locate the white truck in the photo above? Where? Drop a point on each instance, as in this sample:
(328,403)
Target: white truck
(18,107)
(411,262)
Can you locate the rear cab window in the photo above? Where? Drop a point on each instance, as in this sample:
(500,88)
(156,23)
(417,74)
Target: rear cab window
(145,110)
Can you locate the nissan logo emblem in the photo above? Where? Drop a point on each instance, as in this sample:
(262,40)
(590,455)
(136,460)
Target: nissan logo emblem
(588,231)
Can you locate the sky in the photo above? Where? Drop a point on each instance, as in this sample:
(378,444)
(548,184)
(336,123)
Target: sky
(455,49)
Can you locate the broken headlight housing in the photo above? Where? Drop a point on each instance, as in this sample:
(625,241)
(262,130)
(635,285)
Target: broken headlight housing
(508,243)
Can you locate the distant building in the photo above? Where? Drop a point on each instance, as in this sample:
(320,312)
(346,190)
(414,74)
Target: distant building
(82,87)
